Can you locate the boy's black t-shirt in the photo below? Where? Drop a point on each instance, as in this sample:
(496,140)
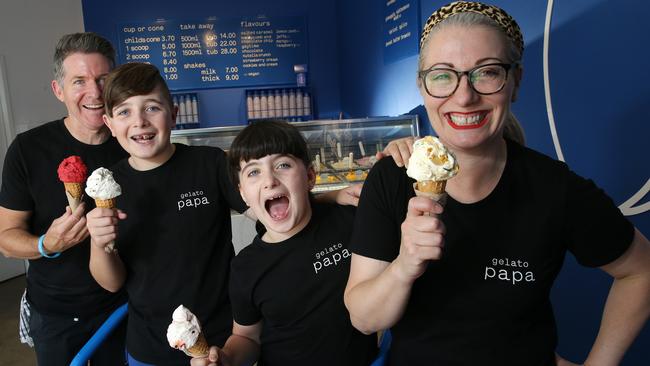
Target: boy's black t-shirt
(486,301)
(61,286)
(296,288)
(176,245)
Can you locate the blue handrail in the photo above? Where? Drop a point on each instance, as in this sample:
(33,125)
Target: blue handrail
(86,352)
(386,339)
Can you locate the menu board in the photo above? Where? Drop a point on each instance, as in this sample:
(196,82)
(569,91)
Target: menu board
(401,29)
(218,52)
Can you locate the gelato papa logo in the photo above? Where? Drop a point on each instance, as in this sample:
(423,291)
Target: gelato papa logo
(192,199)
(510,270)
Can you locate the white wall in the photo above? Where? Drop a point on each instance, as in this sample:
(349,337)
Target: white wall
(29,30)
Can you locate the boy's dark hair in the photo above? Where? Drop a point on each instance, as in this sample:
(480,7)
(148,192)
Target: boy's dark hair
(266,137)
(86,42)
(130,80)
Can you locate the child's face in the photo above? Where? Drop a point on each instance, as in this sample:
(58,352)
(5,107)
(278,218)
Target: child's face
(276,187)
(142,125)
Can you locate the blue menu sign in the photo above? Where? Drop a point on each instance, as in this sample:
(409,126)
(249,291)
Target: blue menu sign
(218,52)
(401,29)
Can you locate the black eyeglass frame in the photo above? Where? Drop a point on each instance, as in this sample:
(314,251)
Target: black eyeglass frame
(423,74)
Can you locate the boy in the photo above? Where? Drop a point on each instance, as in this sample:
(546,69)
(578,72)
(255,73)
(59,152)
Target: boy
(287,286)
(170,252)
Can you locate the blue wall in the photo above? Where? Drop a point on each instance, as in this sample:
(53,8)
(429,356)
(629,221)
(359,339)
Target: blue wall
(221,107)
(599,87)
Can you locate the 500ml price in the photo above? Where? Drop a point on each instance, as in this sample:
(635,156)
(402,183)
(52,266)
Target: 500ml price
(228,35)
(171,76)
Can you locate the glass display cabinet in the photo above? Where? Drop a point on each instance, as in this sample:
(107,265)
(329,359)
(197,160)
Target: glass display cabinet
(342,150)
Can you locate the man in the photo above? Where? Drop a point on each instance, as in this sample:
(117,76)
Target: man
(67,305)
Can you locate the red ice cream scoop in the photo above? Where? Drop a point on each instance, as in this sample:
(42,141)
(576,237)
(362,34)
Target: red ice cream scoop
(72,170)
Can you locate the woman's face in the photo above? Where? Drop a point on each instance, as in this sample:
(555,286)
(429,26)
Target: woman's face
(467,120)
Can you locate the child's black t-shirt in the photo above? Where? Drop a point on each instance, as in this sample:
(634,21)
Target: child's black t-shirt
(296,288)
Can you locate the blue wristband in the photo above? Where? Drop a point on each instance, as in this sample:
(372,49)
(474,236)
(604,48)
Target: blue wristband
(42,250)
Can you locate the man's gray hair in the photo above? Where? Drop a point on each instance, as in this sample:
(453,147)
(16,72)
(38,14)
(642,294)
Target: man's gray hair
(87,42)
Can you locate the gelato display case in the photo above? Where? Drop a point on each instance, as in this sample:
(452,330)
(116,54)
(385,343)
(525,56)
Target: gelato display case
(342,150)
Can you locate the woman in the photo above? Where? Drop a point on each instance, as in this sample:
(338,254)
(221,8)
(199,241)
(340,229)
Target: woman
(470,285)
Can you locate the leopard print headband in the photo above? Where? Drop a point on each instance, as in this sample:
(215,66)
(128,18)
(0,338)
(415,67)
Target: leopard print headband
(498,15)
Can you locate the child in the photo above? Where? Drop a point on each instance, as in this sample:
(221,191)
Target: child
(175,245)
(287,286)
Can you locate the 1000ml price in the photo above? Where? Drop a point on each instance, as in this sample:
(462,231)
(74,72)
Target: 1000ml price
(228,43)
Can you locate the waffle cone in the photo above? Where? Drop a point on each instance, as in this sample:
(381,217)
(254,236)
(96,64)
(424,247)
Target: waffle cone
(441,198)
(432,186)
(200,347)
(109,203)
(74,192)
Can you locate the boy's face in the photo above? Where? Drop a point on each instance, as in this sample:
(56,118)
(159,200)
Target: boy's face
(276,187)
(142,125)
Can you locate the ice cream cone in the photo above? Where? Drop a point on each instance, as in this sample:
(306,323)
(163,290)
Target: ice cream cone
(434,195)
(200,348)
(432,186)
(74,192)
(109,203)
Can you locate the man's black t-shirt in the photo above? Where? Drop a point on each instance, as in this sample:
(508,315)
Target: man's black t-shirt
(295,288)
(59,286)
(486,301)
(176,245)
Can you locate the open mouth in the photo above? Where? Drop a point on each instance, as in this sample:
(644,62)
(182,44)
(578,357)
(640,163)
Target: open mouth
(277,207)
(94,107)
(143,137)
(464,121)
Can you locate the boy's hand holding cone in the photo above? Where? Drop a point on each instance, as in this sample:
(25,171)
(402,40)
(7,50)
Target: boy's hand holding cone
(102,187)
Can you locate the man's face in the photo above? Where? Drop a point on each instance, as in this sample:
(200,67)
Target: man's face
(81,88)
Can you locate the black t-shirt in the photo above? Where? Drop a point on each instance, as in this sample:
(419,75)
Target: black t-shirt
(176,245)
(60,286)
(296,288)
(486,301)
